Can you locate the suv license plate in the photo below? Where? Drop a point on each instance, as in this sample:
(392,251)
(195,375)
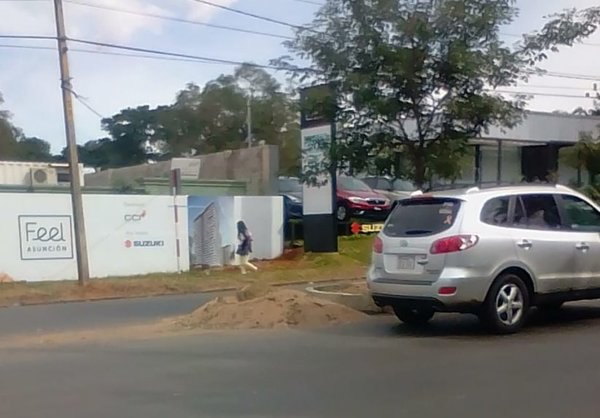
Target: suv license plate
(406,263)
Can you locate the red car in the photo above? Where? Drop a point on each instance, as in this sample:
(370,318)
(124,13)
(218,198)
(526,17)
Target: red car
(356,199)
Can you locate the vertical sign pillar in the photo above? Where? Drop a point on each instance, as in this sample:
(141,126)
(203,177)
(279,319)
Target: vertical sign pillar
(317,122)
(175,180)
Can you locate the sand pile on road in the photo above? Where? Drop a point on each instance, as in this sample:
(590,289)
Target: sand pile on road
(265,308)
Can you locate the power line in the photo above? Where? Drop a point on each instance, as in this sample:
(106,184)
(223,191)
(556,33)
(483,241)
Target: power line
(255,16)
(310,2)
(176,19)
(85,103)
(539,86)
(514,35)
(196,58)
(47,48)
(565,75)
(159,52)
(111,53)
(525,93)
(29,37)
(181,55)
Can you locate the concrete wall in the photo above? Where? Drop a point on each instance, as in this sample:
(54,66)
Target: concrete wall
(158,186)
(258,166)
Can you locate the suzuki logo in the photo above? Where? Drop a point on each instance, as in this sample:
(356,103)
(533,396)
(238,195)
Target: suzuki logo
(135,217)
(148,243)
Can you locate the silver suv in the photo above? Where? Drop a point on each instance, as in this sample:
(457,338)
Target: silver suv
(493,252)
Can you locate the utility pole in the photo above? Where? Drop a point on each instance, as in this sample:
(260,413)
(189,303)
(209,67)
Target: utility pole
(249,119)
(83,271)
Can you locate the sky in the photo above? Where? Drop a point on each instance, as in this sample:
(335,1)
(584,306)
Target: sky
(29,78)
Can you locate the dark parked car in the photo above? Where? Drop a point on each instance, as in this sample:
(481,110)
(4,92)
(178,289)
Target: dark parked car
(291,190)
(354,199)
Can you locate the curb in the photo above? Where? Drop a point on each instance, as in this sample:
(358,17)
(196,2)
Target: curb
(358,301)
(159,295)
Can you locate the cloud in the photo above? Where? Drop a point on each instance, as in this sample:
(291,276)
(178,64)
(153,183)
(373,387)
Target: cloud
(205,12)
(37,18)
(110,26)
(27,18)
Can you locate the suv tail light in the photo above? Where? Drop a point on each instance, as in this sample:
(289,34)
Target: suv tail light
(453,244)
(378,245)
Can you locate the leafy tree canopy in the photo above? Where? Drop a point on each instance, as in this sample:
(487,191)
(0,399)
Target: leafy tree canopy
(202,120)
(14,145)
(414,80)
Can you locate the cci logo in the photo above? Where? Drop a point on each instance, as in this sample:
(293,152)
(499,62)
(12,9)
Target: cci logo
(135,217)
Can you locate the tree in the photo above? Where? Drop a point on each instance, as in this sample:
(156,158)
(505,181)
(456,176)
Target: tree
(33,149)
(14,145)
(133,131)
(200,121)
(585,155)
(99,153)
(414,79)
(213,118)
(562,29)
(8,135)
(580,111)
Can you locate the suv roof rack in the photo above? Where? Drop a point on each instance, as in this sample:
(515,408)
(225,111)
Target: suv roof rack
(484,186)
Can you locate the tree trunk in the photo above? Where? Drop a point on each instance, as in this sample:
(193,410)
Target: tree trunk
(419,162)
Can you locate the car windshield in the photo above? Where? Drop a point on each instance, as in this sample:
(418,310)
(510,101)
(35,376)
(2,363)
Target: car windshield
(422,217)
(352,184)
(290,185)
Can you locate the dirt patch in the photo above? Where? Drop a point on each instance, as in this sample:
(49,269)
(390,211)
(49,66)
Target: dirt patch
(5,278)
(354,288)
(281,308)
(256,306)
(293,267)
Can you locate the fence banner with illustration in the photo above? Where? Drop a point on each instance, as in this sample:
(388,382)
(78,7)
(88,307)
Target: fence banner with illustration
(130,235)
(126,236)
(212,228)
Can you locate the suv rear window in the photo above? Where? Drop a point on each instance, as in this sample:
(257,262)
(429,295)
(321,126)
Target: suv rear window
(421,217)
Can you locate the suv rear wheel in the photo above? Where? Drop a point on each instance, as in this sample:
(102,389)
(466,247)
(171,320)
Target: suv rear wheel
(414,316)
(506,306)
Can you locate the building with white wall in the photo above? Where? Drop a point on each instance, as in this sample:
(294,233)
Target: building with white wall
(530,151)
(37,174)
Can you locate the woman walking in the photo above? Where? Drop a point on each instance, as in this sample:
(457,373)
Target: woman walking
(245,247)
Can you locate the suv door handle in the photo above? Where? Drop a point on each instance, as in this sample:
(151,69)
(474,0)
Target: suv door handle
(582,246)
(525,244)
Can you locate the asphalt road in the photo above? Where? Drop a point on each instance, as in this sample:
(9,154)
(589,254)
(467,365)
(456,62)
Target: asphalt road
(99,314)
(376,368)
